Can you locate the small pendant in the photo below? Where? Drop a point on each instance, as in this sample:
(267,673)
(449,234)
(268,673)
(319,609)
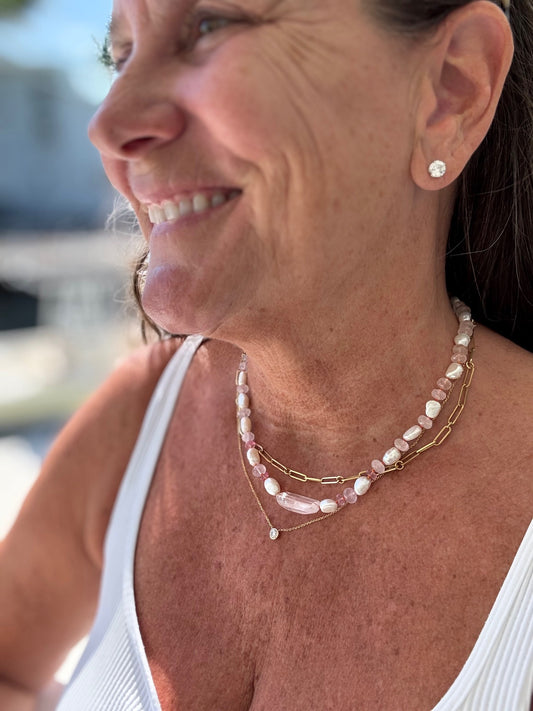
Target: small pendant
(274,533)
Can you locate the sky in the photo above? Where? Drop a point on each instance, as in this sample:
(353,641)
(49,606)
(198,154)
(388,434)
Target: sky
(61,33)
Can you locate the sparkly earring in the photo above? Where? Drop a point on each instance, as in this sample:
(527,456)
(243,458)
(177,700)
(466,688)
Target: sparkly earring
(437,168)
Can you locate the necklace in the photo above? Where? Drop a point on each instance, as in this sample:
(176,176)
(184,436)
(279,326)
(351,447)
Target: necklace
(394,459)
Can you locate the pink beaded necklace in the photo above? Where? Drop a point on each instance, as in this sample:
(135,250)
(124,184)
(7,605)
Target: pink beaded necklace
(394,459)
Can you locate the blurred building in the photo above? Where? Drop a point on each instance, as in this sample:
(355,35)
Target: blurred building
(50,176)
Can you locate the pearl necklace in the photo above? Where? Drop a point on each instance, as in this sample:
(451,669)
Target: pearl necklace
(394,459)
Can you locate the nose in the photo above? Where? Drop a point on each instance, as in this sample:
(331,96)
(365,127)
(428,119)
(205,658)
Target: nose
(136,117)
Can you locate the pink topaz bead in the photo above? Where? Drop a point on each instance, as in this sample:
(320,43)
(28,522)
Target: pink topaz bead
(466,327)
(412,433)
(401,444)
(350,495)
(297,503)
(444,383)
(259,470)
(340,501)
(460,349)
(248,437)
(377,466)
(425,422)
(362,485)
(438,394)
(242,389)
(328,506)
(244,412)
(272,486)
(454,372)
(251,443)
(391,456)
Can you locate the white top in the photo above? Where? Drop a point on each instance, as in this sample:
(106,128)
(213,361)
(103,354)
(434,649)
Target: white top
(113,673)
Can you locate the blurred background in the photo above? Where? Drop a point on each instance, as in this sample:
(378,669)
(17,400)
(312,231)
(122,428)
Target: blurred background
(65,310)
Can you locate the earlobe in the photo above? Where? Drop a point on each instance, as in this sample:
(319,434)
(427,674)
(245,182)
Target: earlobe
(466,65)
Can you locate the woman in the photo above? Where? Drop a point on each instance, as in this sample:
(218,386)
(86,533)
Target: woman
(294,166)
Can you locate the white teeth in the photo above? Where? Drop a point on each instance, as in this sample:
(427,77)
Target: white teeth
(172,211)
(169,211)
(156,214)
(200,203)
(185,207)
(218,199)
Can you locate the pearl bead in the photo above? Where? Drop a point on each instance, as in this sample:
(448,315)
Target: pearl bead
(245,425)
(433,408)
(454,372)
(462,340)
(253,456)
(361,485)
(242,378)
(272,486)
(243,400)
(391,456)
(328,506)
(412,433)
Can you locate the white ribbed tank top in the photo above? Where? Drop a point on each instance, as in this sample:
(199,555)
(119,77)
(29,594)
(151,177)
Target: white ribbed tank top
(113,672)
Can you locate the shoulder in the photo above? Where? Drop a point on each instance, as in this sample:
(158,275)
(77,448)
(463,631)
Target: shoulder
(87,461)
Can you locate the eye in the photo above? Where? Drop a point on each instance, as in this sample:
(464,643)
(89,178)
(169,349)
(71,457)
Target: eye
(204,23)
(207,25)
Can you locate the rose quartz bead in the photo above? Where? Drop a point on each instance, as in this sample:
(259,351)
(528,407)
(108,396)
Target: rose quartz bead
(460,349)
(259,470)
(466,327)
(458,358)
(350,495)
(248,437)
(297,504)
(243,365)
(251,443)
(444,383)
(244,412)
(377,466)
(438,394)
(425,422)
(242,389)
(253,457)
(340,501)
(401,444)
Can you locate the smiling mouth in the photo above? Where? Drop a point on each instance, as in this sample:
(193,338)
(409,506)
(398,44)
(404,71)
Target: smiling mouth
(194,204)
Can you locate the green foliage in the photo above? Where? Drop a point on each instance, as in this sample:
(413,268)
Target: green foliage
(12,7)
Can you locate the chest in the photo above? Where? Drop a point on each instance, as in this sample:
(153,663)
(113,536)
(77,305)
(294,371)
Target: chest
(375,608)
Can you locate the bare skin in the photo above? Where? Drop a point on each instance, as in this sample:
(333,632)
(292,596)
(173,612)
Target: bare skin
(328,270)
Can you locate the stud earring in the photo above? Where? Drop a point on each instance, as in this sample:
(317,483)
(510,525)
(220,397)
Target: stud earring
(437,169)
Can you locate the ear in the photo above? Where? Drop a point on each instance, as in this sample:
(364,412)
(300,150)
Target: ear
(463,76)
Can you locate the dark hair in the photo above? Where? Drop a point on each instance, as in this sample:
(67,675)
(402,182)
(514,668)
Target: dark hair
(489,262)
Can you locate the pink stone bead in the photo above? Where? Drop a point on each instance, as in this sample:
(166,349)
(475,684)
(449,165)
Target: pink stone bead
(265,475)
(248,437)
(466,327)
(242,389)
(350,495)
(425,422)
(243,365)
(438,394)
(462,350)
(259,470)
(243,412)
(340,500)
(372,475)
(444,383)
(458,358)
(251,443)
(377,466)
(401,444)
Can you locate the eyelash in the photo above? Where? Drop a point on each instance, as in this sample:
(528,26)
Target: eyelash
(191,33)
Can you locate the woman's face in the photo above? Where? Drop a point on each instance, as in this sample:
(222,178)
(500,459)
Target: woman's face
(258,142)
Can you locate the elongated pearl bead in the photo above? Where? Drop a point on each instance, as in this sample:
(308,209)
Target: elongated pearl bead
(241,378)
(243,400)
(253,456)
(391,456)
(412,433)
(245,425)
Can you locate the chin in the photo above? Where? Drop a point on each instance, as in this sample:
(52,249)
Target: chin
(180,303)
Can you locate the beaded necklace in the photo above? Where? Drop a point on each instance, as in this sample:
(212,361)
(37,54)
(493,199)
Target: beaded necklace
(394,459)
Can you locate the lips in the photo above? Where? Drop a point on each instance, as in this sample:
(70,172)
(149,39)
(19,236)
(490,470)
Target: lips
(183,205)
